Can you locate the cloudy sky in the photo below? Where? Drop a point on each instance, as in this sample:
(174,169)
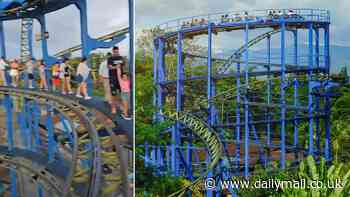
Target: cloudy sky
(105,16)
(153,12)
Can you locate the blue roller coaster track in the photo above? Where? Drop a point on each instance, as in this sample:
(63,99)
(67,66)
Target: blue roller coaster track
(277,110)
(53,144)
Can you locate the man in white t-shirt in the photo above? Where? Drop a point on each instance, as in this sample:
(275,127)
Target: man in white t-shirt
(104,75)
(3,65)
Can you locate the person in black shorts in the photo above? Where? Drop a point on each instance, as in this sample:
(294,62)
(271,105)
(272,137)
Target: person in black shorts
(65,76)
(113,62)
(30,72)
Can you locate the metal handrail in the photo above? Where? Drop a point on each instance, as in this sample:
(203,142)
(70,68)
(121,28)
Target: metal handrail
(304,14)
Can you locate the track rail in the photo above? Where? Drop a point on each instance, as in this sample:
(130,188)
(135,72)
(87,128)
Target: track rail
(106,37)
(234,58)
(101,153)
(38,175)
(206,134)
(238,19)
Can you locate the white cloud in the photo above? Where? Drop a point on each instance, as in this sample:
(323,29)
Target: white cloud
(153,12)
(105,16)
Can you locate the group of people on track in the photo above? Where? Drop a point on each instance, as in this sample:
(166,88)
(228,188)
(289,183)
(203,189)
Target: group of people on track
(237,17)
(115,81)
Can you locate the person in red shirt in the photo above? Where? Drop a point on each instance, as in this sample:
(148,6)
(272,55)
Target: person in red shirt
(56,81)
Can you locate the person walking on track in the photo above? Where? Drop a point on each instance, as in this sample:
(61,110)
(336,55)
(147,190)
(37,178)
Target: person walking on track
(83,72)
(66,77)
(103,72)
(3,67)
(113,62)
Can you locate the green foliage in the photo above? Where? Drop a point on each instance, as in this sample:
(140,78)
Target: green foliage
(340,125)
(146,129)
(149,184)
(309,176)
(321,175)
(262,174)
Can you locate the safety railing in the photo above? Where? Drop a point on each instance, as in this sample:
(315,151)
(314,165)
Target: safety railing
(268,15)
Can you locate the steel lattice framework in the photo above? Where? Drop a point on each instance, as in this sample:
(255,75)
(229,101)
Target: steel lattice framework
(51,144)
(278,109)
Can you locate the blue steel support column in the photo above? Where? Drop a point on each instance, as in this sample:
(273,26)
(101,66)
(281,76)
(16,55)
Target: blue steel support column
(238,117)
(317,125)
(52,146)
(296,101)
(155,79)
(210,83)
(146,154)
(23,126)
(173,149)
(9,126)
(2,40)
(40,192)
(327,144)
(326,48)
(84,28)
(317,47)
(131,51)
(13,177)
(309,78)
(268,142)
(327,151)
(66,129)
(29,119)
(296,129)
(179,87)
(246,107)
(36,129)
(85,38)
(160,73)
(44,48)
(47,59)
(283,96)
(9,121)
(189,161)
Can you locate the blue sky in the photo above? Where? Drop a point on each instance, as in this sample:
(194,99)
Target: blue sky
(105,16)
(153,12)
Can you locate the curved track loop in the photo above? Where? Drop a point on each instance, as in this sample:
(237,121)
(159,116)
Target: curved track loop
(100,152)
(38,174)
(207,134)
(238,53)
(235,57)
